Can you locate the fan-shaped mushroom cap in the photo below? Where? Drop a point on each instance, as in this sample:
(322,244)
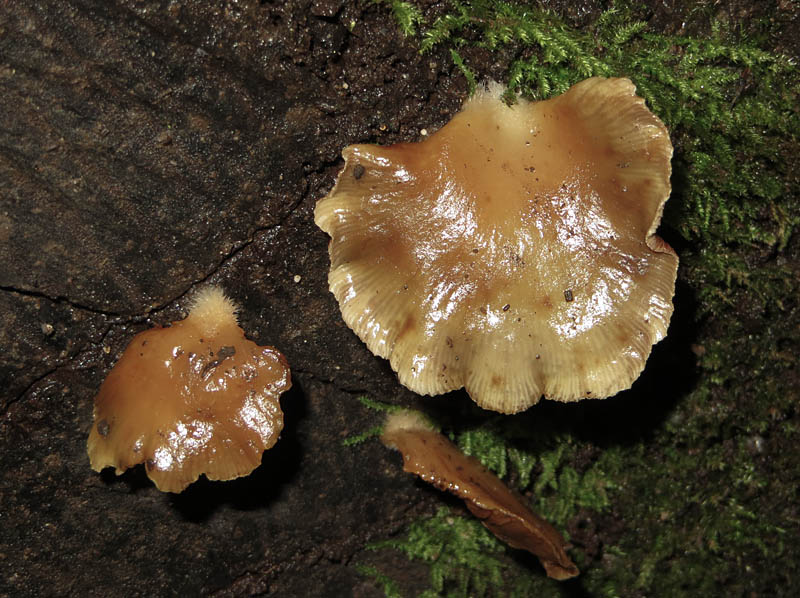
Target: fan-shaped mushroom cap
(514,251)
(196,397)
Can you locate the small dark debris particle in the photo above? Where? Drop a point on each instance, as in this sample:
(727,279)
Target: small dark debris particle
(474,251)
(538,356)
(568,295)
(506,306)
(103,428)
(358,171)
(222,355)
(164,138)
(225,352)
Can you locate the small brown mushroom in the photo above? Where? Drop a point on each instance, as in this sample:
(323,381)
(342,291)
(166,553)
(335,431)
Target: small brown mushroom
(514,251)
(438,461)
(194,398)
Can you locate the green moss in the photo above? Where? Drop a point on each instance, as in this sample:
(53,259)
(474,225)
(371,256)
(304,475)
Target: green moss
(698,533)
(465,70)
(465,558)
(731,107)
(374,431)
(407,15)
(390,588)
(559,490)
(688,512)
(701,496)
(463,555)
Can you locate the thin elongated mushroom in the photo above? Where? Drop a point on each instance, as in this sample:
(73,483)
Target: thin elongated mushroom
(435,459)
(513,252)
(194,398)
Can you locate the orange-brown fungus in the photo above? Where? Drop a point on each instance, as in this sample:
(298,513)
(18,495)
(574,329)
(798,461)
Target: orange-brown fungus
(196,397)
(514,251)
(438,461)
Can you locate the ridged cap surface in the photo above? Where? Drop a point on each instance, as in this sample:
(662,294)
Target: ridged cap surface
(513,252)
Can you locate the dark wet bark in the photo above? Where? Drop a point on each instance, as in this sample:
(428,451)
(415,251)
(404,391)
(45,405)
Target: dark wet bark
(146,148)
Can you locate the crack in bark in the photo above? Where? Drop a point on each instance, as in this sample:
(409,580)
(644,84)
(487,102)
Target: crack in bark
(59,299)
(118,319)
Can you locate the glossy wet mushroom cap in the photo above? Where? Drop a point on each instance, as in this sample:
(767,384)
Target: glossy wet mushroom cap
(513,252)
(193,398)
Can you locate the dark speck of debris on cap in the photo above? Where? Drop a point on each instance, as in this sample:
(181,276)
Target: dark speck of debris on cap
(358,171)
(568,295)
(103,427)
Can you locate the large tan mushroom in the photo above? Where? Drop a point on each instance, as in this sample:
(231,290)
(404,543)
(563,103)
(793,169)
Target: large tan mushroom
(514,251)
(194,398)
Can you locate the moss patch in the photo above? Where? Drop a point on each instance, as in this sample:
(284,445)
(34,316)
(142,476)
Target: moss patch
(671,488)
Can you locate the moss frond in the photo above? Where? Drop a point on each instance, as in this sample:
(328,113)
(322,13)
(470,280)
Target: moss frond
(465,559)
(407,15)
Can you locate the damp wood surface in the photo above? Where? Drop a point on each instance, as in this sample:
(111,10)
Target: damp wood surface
(150,147)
